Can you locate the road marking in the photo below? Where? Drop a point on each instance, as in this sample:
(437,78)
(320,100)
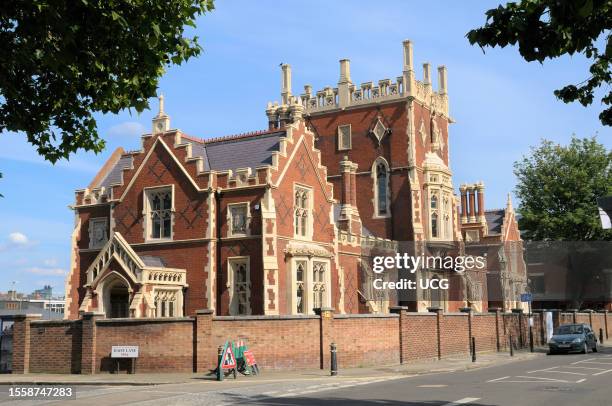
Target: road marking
(540,370)
(461,401)
(432,386)
(332,386)
(597,369)
(580,381)
(541,378)
(549,371)
(498,379)
(592,362)
(603,372)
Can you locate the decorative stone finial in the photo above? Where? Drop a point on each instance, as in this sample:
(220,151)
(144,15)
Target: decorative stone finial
(426,73)
(509,202)
(442,80)
(161,122)
(161,105)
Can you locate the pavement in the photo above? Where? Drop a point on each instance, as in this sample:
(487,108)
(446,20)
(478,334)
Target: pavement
(494,380)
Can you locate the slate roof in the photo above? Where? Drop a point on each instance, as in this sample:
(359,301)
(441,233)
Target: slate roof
(115,174)
(150,260)
(242,152)
(495,219)
(248,150)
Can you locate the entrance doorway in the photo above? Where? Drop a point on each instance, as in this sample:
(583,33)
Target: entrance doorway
(119,301)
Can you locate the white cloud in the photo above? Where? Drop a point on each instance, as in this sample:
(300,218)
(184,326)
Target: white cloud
(127,129)
(50,262)
(47,271)
(18,238)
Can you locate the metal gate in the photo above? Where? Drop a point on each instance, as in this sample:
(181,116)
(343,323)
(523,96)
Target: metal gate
(6,344)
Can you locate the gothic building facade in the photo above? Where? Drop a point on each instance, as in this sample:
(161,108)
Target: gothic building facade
(281,221)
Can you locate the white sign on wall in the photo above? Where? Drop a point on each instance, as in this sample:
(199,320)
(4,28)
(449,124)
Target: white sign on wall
(124,351)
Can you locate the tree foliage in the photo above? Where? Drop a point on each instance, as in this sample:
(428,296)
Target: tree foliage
(558,187)
(551,28)
(64,60)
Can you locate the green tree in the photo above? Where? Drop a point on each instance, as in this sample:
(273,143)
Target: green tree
(558,187)
(551,28)
(64,60)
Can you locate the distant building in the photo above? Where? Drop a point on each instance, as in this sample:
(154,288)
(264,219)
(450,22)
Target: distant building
(50,309)
(45,293)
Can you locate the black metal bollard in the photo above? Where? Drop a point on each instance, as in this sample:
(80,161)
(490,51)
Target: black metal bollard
(511,347)
(473,349)
(530,339)
(219,369)
(334,359)
(601,340)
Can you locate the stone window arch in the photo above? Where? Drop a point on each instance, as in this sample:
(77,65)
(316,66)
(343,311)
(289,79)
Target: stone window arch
(381,176)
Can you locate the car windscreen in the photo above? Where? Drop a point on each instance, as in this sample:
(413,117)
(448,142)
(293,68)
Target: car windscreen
(568,330)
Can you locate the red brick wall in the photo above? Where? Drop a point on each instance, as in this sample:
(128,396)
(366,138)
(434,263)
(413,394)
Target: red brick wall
(419,336)
(285,342)
(165,345)
(279,343)
(483,329)
(55,346)
(360,342)
(454,335)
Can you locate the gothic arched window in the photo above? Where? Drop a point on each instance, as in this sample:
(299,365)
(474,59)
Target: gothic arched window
(382,188)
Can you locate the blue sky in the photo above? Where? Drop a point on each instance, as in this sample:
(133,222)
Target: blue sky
(501,104)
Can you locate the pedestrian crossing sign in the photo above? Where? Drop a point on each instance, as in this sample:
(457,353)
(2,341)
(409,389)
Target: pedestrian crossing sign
(228,360)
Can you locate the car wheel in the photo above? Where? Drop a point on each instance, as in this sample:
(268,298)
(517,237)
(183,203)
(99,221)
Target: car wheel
(585,348)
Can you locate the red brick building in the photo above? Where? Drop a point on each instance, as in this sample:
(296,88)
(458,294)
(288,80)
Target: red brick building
(280,221)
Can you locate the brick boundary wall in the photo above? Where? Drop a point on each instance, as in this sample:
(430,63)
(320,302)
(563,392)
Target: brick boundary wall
(189,344)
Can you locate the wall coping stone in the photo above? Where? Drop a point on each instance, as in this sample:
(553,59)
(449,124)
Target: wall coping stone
(54,322)
(26,315)
(141,320)
(269,317)
(366,315)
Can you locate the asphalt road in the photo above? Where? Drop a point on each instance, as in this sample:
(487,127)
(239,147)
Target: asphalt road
(559,380)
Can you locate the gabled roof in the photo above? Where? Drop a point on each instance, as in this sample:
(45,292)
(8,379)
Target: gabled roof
(232,152)
(495,220)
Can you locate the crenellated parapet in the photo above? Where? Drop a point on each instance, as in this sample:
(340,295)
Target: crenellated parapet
(348,95)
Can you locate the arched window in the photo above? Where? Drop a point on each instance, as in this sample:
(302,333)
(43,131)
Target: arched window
(301,212)
(382,188)
(434,225)
(433,215)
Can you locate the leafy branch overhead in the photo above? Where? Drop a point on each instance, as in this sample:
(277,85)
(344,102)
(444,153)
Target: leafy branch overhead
(551,28)
(62,61)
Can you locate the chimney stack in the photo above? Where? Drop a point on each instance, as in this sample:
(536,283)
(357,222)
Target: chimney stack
(286,83)
(464,203)
(480,189)
(472,202)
